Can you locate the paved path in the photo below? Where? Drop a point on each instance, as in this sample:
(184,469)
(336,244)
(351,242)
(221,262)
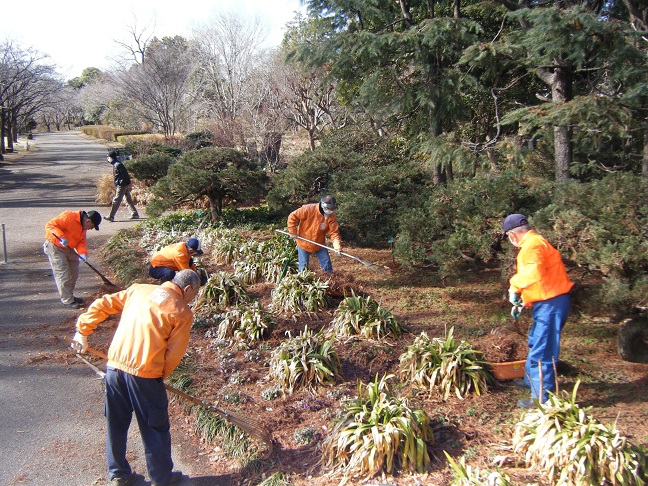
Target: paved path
(51,406)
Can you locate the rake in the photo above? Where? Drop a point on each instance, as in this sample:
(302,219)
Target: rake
(372,266)
(103,277)
(246,424)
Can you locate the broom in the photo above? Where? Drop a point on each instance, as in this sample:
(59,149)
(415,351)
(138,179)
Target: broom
(246,424)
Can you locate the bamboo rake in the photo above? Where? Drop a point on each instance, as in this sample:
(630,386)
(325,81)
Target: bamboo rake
(246,424)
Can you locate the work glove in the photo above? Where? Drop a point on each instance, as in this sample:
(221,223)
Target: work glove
(63,242)
(294,237)
(514,298)
(83,257)
(80,343)
(337,247)
(516,311)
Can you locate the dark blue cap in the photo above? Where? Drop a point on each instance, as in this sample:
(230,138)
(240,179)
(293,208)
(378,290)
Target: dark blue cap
(513,221)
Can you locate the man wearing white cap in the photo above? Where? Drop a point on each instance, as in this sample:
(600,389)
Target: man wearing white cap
(540,283)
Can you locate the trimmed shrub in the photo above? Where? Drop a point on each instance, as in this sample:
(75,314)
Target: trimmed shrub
(149,168)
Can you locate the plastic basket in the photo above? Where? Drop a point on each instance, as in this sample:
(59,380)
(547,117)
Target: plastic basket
(509,370)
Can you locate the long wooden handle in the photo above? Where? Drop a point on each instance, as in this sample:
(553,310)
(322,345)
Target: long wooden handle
(103,277)
(367,264)
(244,423)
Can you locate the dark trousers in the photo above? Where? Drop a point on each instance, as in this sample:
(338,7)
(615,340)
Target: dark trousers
(163,274)
(147,398)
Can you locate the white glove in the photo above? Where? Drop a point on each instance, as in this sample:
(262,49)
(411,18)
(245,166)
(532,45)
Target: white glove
(514,298)
(337,247)
(63,242)
(294,237)
(80,343)
(83,257)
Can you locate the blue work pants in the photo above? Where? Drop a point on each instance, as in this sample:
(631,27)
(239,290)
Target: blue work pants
(322,255)
(549,317)
(147,398)
(163,274)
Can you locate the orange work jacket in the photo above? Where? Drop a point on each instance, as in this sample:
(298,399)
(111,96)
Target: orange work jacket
(541,273)
(67,225)
(153,332)
(176,257)
(309,223)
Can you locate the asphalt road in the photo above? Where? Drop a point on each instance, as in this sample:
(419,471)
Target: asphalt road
(51,404)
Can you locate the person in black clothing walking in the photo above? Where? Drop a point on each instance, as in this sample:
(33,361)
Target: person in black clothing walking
(122,187)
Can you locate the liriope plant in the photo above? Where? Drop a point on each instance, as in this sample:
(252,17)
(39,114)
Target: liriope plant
(302,292)
(228,247)
(249,271)
(281,258)
(378,433)
(364,316)
(445,366)
(465,475)
(221,291)
(308,360)
(574,448)
(246,323)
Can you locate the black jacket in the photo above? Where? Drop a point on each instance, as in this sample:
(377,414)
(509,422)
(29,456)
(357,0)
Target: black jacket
(120,174)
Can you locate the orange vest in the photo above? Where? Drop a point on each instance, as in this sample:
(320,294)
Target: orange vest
(541,273)
(67,225)
(309,223)
(153,332)
(175,257)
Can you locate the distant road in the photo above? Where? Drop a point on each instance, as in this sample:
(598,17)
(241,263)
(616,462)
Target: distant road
(51,405)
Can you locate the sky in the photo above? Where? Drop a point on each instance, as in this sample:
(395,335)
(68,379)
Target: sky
(76,35)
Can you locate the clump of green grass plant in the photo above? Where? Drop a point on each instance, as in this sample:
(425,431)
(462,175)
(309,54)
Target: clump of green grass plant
(246,323)
(299,293)
(308,360)
(574,448)
(445,365)
(228,247)
(465,475)
(378,433)
(364,316)
(222,290)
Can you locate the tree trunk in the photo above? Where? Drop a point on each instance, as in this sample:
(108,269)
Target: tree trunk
(644,167)
(448,172)
(559,79)
(215,205)
(2,132)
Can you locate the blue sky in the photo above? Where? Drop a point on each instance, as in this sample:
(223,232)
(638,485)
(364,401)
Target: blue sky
(77,34)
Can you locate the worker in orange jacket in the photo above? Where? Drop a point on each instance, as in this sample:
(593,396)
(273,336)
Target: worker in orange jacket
(313,222)
(150,340)
(173,258)
(65,245)
(541,283)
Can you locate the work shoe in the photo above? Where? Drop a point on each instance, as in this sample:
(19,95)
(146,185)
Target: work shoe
(520,383)
(526,403)
(72,305)
(176,478)
(132,479)
(108,218)
(79,300)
